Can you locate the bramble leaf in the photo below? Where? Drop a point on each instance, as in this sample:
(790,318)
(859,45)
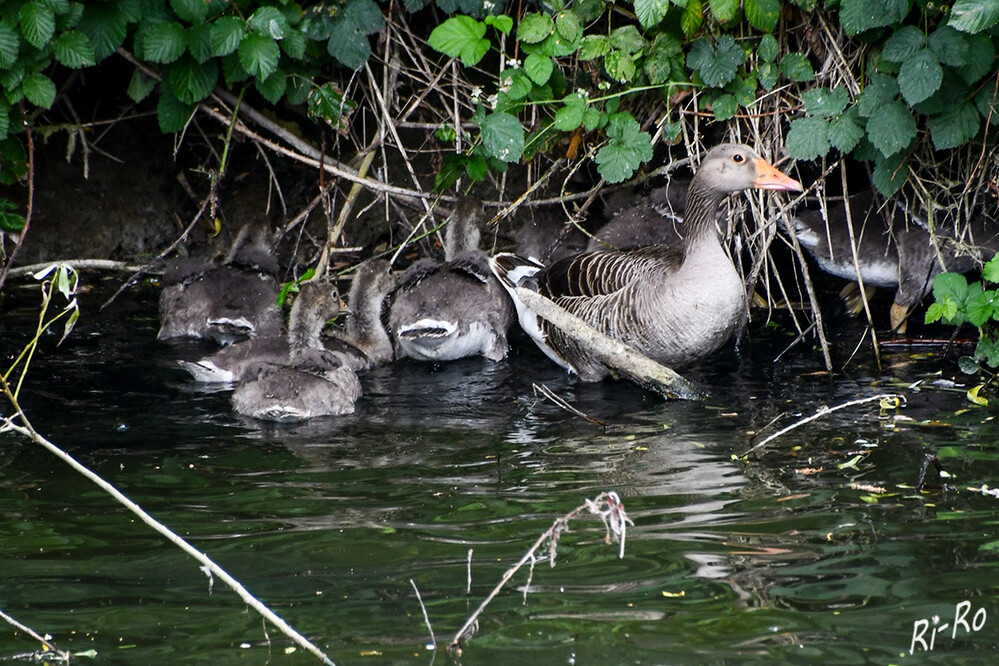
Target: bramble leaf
(919,77)
(762,14)
(164,42)
(37,23)
(651,12)
(535,28)
(227,32)
(903,44)
(191,81)
(39,90)
(954,127)
(769,48)
(74,50)
(860,15)
(824,102)
(259,54)
(891,128)
(502,137)
(105,25)
(724,10)
(807,138)
(974,16)
(461,37)
(539,68)
(717,63)
(627,148)
(797,67)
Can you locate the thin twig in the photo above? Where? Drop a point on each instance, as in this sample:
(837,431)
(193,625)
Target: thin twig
(561,403)
(426,617)
(615,521)
(63,656)
(819,414)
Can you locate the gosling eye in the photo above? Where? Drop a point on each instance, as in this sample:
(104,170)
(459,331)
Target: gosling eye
(738,158)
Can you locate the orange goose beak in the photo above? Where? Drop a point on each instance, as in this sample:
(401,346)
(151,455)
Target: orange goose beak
(769,177)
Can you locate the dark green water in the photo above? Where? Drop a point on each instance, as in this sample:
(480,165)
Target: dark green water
(789,558)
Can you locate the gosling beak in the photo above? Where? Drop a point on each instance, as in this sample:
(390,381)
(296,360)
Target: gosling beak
(770,178)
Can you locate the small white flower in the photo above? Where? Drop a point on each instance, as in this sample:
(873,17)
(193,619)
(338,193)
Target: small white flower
(476,92)
(491,101)
(512,63)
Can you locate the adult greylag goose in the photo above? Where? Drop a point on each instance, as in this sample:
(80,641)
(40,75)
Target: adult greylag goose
(226,300)
(673,305)
(893,249)
(314,381)
(446,311)
(364,342)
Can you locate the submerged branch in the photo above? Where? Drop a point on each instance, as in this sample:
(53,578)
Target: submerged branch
(613,353)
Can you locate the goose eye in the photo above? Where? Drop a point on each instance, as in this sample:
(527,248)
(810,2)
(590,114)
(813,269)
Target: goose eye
(738,158)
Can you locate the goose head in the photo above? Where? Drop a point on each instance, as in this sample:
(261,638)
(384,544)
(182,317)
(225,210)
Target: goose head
(732,167)
(463,233)
(317,302)
(372,283)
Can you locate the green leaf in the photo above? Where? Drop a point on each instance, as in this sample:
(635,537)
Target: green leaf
(272,88)
(824,102)
(987,350)
(939,311)
(769,48)
(627,39)
(807,138)
(692,17)
(890,173)
(164,42)
(515,83)
(269,21)
(461,37)
(192,11)
(37,23)
(502,137)
(903,44)
(74,50)
(650,12)
(724,10)
(845,131)
(881,90)
(627,148)
(328,103)
(664,62)
(9,45)
(980,305)
(955,127)
(535,28)
(477,168)
(199,42)
(860,15)
(192,81)
(797,67)
(762,14)
(568,26)
(259,54)
(593,119)
(620,66)
(718,63)
(990,271)
(539,68)
(974,16)
(39,90)
(950,288)
(172,113)
(105,25)
(891,128)
(500,22)
(294,45)
(227,33)
(454,166)
(594,46)
(949,46)
(724,107)
(767,73)
(981,53)
(140,86)
(985,102)
(11,221)
(919,77)
(569,117)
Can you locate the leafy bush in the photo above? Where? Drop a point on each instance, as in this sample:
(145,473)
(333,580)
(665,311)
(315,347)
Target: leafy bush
(957,302)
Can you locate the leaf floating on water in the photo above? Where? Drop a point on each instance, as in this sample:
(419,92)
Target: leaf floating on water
(674,595)
(974,396)
(851,463)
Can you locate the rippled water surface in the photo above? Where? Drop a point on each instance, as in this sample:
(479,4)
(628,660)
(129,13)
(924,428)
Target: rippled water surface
(818,550)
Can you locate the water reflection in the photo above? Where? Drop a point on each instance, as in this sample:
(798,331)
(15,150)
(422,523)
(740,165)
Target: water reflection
(791,557)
